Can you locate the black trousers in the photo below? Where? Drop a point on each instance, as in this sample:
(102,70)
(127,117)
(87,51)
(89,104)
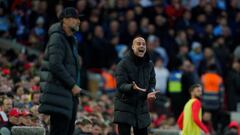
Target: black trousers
(61,125)
(125,129)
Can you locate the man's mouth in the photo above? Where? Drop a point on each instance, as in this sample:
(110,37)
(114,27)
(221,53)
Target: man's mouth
(141,50)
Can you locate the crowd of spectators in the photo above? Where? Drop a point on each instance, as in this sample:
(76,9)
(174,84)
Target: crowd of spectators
(188,41)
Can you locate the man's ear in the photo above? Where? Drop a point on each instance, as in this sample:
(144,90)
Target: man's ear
(64,20)
(132,47)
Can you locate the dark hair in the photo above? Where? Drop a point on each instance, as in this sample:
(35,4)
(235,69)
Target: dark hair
(193,87)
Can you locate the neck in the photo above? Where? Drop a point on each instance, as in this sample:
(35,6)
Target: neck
(67,30)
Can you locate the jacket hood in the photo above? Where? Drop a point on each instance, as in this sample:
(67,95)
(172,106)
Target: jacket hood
(55,28)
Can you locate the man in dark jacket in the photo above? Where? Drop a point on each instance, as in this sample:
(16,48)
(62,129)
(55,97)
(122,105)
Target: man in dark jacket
(233,86)
(135,83)
(60,75)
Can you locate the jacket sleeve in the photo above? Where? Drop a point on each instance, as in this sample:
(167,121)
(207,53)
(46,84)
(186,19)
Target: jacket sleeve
(56,54)
(196,106)
(152,81)
(123,83)
(180,121)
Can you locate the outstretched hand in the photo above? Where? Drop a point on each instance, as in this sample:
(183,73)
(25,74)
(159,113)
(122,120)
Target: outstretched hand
(152,95)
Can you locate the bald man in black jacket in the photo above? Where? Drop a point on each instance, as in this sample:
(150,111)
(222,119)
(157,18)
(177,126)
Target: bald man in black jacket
(135,83)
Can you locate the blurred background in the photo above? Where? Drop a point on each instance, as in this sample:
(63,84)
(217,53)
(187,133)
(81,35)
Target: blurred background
(189,41)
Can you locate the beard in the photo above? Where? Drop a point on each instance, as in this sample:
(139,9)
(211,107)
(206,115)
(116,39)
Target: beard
(198,97)
(75,28)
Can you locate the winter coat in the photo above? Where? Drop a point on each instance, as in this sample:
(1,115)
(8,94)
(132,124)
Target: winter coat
(59,73)
(131,105)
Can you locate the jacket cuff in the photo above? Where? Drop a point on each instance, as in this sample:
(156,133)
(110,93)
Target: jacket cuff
(151,90)
(71,85)
(129,87)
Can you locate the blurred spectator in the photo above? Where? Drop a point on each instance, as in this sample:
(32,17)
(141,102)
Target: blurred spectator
(209,59)
(161,26)
(184,22)
(198,26)
(127,36)
(233,85)
(154,47)
(232,129)
(199,9)
(100,53)
(222,27)
(222,53)
(213,93)
(143,28)
(38,33)
(189,77)
(13,115)
(97,127)
(109,80)
(237,52)
(170,123)
(162,75)
(83,127)
(6,107)
(207,121)
(4,23)
(175,91)
(174,11)
(196,54)
(208,37)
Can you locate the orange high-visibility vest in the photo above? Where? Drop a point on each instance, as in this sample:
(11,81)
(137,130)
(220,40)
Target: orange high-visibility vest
(109,81)
(211,82)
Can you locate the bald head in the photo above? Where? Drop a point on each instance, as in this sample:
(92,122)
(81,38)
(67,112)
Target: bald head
(139,46)
(138,39)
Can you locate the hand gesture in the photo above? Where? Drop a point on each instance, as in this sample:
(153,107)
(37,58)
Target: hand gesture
(135,87)
(76,90)
(152,95)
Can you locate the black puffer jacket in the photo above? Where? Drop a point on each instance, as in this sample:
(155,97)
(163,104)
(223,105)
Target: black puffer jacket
(130,105)
(59,73)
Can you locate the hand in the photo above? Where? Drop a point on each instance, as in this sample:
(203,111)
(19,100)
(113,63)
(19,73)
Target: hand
(152,95)
(76,90)
(135,87)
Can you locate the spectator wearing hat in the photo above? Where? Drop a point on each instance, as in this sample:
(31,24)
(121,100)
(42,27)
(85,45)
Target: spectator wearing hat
(61,75)
(232,129)
(25,118)
(196,54)
(83,127)
(14,117)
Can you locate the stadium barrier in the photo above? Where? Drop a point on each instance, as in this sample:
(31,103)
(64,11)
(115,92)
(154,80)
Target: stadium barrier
(27,130)
(165,132)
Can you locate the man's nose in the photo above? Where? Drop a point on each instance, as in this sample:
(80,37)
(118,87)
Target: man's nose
(142,45)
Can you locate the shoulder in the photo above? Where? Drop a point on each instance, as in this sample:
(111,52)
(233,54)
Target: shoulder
(124,61)
(197,102)
(56,39)
(151,63)
(56,36)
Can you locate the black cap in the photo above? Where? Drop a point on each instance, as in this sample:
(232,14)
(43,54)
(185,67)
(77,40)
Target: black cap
(70,12)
